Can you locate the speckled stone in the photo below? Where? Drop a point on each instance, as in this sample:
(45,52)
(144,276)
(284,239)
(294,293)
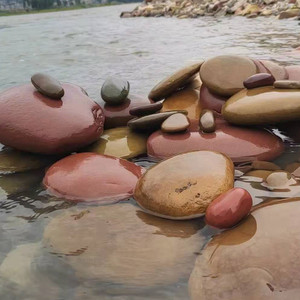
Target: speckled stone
(183,186)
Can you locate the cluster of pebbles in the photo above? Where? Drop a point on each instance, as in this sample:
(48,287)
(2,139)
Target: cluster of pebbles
(194,9)
(204,126)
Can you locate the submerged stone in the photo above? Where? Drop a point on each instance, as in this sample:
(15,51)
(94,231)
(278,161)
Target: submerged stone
(264,105)
(183,186)
(116,244)
(173,82)
(253,144)
(255,260)
(32,122)
(175,123)
(224,75)
(120,142)
(92,177)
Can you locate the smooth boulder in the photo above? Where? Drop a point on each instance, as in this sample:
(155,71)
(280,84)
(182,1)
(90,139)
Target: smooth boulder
(264,105)
(183,186)
(229,208)
(92,177)
(224,75)
(32,122)
(114,91)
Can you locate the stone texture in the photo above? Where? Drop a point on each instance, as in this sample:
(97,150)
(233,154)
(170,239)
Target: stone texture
(279,72)
(279,180)
(264,165)
(264,105)
(207,121)
(293,72)
(209,100)
(145,110)
(258,80)
(92,177)
(255,260)
(175,123)
(224,75)
(183,186)
(32,122)
(290,13)
(173,82)
(120,142)
(287,84)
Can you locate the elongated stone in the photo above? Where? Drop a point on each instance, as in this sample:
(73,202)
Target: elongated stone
(145,110)
(207,121)
(173,82)
(287,84)
(175,123)
(115,90)
(258,80)
(47,85)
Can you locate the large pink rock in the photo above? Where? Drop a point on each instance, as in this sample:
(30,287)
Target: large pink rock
(240,144)
(293,72)
(92,177)
(32,122)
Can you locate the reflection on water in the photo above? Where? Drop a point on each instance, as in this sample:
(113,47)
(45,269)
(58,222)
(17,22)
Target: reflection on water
(116,251)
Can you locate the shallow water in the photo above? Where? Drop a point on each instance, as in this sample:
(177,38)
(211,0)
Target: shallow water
(84,47)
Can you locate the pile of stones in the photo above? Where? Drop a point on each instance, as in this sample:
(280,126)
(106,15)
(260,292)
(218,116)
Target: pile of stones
(193,9)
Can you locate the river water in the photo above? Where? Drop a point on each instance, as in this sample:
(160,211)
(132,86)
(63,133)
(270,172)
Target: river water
(84,47)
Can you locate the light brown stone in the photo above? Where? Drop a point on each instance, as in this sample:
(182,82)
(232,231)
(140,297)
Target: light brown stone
(175,123)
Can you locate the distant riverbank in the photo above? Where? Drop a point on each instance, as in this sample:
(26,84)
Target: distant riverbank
(54,9)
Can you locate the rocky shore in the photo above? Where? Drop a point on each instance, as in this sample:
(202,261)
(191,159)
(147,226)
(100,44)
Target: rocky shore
(194,9)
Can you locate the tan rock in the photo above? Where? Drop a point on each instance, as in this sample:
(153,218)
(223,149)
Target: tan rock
(279,72)
(290,13)
(175,123)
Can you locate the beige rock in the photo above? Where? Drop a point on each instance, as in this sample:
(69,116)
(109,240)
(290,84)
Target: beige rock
(290,13)
(175,123)
(287,84)
(279,72)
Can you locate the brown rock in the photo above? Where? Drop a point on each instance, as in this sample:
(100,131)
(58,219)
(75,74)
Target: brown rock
(210,100)
(145,110)
(264,165)
(258,80)
(287,84)
(290,13)
(175,123)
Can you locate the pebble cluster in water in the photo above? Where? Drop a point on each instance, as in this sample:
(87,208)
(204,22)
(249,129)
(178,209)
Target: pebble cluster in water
(210,130)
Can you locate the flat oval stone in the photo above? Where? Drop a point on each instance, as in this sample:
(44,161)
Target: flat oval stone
(264,105)
(151,123)
(229,208)
(119,115)
(255,260)
(47,85)
(264,165)
(115,90)
(279,180)
(32,122)
(293,72)
(207,121)
(120,142)
(279,72)
(258,80)
(186,99)
(175,123)
(287,84)
(183,186)
(15,161)
(208,100)
(252,144)
(117,233)
(173,82)
(145,110)
(92,177)
(224,75)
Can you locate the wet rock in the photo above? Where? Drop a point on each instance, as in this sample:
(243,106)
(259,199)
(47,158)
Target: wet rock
(262,174)
(186,99)
(47,85)
(151,123)
(175,123)
(115,90)
(264,165)
(229,208)
(119,115)
(92,177)
(117,233)
(120,142)
(208,100)
(287,84)
(145,110)
(293,72)
(32,122)
(260,68)
(279,72)
(262,105)
(279,180)
(253,144)
(294,169)
(237,263)
(224,75)
(290,13)
(258,80)
(207,121)
(250,9)
(173,82)
(184,184)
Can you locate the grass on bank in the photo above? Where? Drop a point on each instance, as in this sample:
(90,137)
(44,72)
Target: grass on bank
(55,9)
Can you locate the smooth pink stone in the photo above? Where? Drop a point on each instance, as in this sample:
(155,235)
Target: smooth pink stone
(32,122)
(240,144)
(260,67)
(229,208)
(211,101)
(293,72)
(92,177)
(118,115)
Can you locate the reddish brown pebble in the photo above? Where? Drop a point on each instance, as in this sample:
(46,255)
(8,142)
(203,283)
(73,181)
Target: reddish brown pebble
(145,110)
(210,100)
(229,208)
(207,121)
(258,80)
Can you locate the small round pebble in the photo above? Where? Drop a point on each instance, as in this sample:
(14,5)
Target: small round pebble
(47,85)
(115,90)
(258,80)
(287,84)
(207,121)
